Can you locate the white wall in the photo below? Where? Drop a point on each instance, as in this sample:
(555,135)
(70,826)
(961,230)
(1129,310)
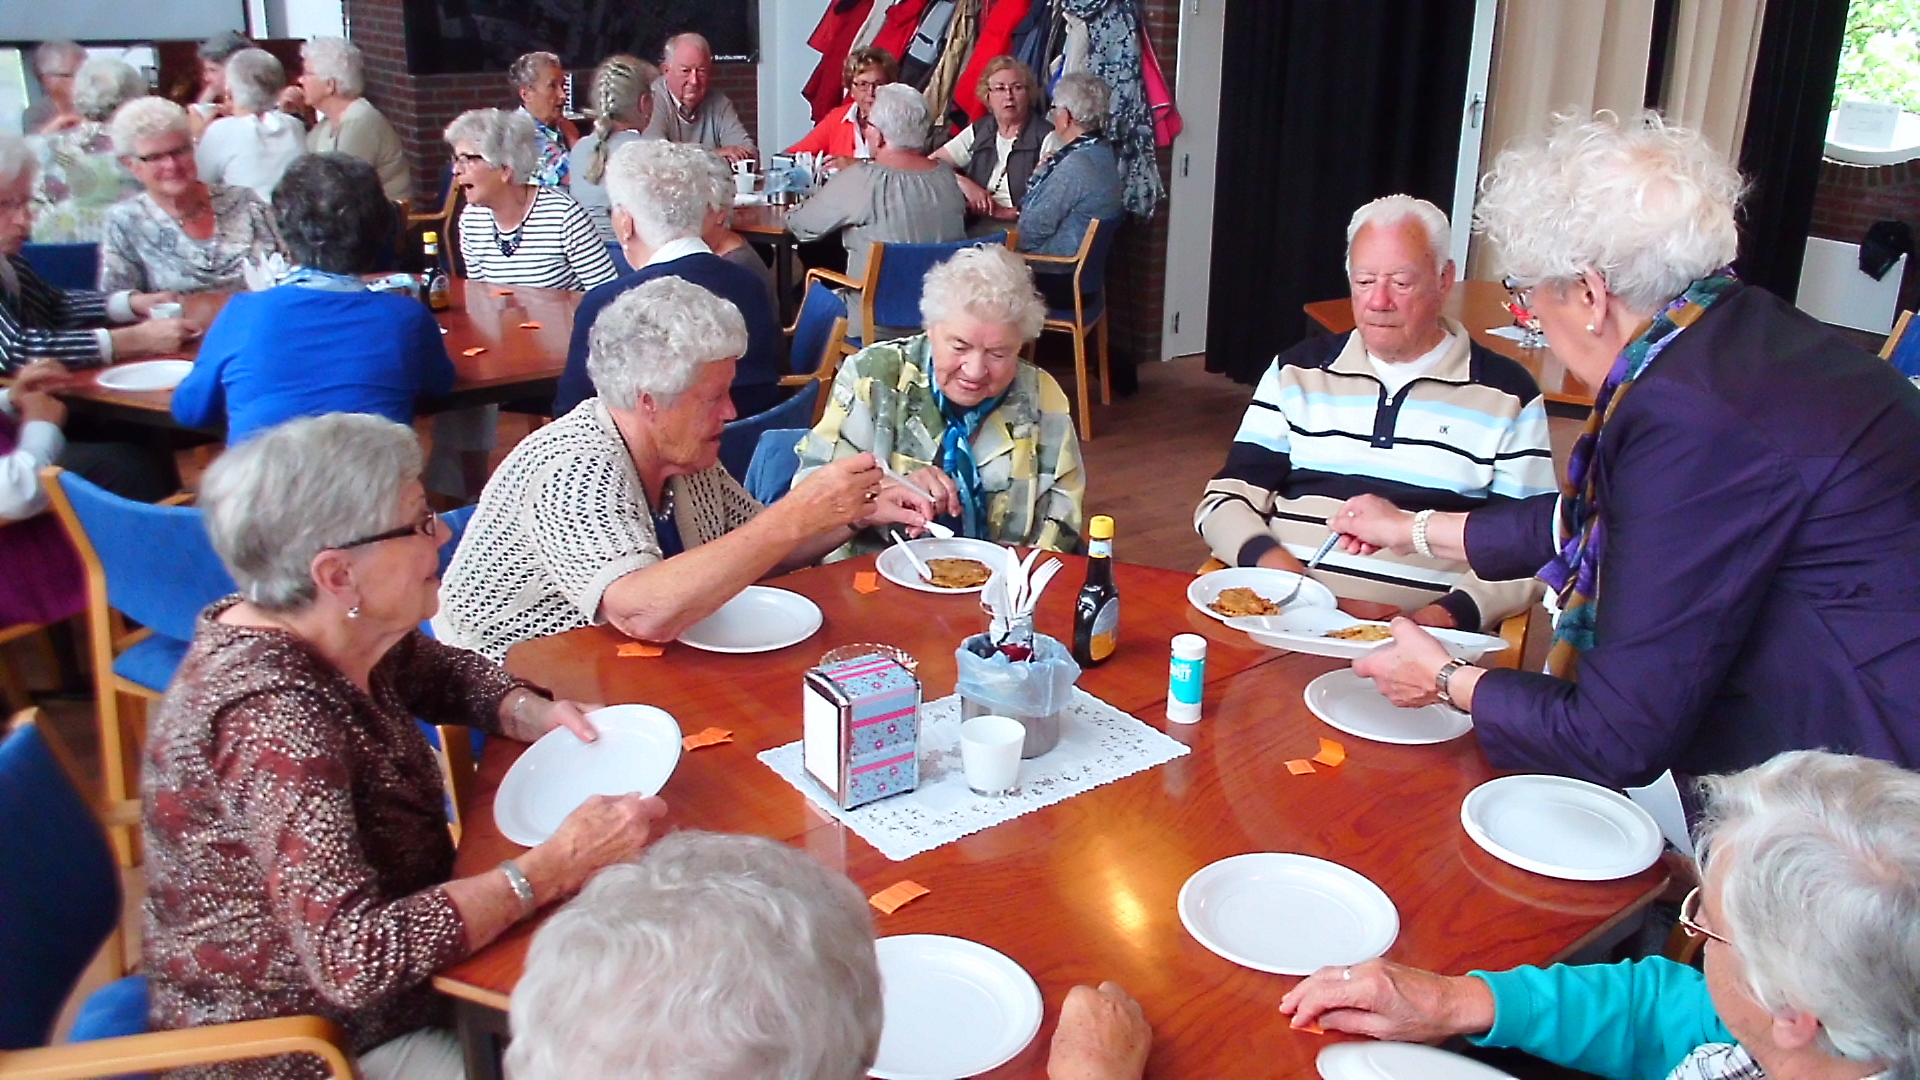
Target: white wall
(786,63)
(297,18)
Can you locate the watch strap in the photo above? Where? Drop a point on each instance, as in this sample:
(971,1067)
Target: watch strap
(1444,676)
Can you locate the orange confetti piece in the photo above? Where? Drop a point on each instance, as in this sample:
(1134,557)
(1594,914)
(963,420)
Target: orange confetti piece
(529,326)
(866,581)
(475,351)
(710,737)
(1315,1029)
(639,648)
(503,292)
(895,896)
(1300,767)
(1331,753)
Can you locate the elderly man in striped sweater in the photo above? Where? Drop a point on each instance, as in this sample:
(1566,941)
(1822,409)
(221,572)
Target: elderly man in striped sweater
(1405,406)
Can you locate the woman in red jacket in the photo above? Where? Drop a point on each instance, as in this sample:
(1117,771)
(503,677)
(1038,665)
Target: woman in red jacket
(842,133)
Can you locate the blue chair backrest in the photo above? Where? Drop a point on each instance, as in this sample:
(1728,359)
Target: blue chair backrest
(65,266)
(738,439)
(59,891)
(1906,351)
(903,267)
(813,328)
(161,568)
(455,522)
(619,257)
(776,457)
(1094,277)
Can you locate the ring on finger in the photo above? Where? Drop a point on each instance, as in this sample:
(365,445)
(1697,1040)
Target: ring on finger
(871,495)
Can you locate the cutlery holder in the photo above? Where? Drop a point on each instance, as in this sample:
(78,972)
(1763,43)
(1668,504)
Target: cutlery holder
(1034,692)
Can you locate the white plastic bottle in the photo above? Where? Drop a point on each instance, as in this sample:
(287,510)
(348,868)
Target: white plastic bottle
(1186,675)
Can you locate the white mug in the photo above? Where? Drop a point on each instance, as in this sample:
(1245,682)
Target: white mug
(990,754)
(743,183)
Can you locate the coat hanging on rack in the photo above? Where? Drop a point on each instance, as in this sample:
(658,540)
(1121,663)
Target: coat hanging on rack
(997,23)
(903,18)
(832,39)
(1114,35)
(928,43)
(961,35)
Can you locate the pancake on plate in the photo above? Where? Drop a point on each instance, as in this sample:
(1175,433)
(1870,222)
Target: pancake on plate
(1362,632)
(958,573)
(1235,602)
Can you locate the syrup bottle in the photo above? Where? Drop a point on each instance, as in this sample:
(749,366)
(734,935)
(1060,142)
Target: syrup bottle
(439,283)
(1096,615)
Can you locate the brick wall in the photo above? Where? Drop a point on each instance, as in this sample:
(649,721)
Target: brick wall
(1850,198)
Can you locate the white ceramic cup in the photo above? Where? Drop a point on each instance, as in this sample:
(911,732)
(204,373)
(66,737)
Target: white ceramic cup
(743,182)
(990,754)
(166,311)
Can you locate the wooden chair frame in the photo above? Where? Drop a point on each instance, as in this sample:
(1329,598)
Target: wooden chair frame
(447,217)
(1893,339)
(837,350)
(869,286)
(1078,328)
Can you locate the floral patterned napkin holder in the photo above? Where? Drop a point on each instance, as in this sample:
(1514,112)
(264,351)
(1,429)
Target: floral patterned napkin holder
(860,729)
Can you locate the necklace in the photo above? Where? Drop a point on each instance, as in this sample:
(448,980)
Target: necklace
(509,241)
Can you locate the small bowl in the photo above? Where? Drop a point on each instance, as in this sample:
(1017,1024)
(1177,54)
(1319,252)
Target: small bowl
(849,652)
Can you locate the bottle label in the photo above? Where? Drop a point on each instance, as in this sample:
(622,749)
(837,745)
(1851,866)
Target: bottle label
(1105,636)
(1184,680)
(1100,549)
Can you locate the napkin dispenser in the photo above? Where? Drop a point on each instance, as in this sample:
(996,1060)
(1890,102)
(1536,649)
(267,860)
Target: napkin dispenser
(860,729)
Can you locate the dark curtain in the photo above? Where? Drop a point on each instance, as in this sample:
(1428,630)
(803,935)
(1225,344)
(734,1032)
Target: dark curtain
(1786,137)
(1323,106)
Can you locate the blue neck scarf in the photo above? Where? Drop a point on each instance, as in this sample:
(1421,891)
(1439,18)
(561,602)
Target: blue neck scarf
(309,278)
(956,457)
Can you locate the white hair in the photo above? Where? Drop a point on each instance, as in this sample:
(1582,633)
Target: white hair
(103,85)
(719,180)
(664,185)
(1086,96)
(336,60)
(285,495)
(988,283)
(16,160)
(900,113)
(145,118)
(688,38)
(715,956)
(1647,205)
(255,78)
(1391,210)
(654,338)
(1821,895)
(48,53)
(508,140)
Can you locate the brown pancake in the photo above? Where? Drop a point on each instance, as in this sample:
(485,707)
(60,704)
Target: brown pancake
(958,573)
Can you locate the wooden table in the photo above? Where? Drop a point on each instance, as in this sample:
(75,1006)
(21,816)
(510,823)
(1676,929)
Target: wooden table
(1083,890)
(1481,306)
(768,225)
(518,363)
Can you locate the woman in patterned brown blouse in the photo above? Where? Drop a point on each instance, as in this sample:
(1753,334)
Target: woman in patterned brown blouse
(298,859)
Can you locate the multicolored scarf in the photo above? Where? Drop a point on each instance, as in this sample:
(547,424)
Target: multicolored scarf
(1574,574)
(956,458)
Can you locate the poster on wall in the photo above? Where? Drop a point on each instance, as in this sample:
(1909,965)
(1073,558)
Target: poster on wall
(447,37)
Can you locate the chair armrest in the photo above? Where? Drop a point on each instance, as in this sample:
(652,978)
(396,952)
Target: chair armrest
(1514,630)
(189,1046)
(179,498)
(831,277)
(795,380)
(1064,260)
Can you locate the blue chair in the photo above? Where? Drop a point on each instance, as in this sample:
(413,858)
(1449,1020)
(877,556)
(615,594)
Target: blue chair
(776,457)
(1089,310)
(739,439)
(155,566)
(455,522)
(810,337)
(1903,347)
(65,266)
(59,903)
(890,292)
(619,257)
(456,755)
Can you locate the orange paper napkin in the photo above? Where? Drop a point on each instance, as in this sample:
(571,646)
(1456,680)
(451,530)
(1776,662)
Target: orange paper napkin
(893,897)
(866,581)
(639,648)
(1331,753)
(503,292)
(475,351)
(710,737)
(1300,766)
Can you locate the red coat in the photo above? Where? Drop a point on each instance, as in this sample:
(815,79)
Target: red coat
(903,18)
(996,39)
(833,39)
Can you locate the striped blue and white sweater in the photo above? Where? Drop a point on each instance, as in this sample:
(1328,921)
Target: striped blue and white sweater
(1322,428)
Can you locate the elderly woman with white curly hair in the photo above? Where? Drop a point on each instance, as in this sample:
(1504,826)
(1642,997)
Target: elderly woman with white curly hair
(514,231)
(181,234)
(298,860)
(717,957)
(254,143)
(620,513)
(81,176)
(1733,554)
(986,433)
(331,78)
(1809,907)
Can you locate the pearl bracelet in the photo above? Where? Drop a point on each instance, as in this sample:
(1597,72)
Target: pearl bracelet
(1420,544)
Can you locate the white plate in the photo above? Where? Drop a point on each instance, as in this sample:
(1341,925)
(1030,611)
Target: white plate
(894,565)
(637,750)
(1561,827)
(1270,584)
(954,1008)
(1400,1061)
(145,375)
(1288,914)
(1352,704)
(1304,629)
(760,619)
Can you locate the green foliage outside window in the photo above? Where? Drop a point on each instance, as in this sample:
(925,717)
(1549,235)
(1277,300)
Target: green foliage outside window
(1881,58)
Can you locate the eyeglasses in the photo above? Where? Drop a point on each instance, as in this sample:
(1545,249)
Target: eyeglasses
(868,84)
(1006,88)
(468,161)
(1690,919)
(1522,294)
(165,155)
(428,526)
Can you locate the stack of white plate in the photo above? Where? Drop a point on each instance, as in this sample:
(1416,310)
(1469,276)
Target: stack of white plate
(954,1008)
(1399,1061)
(1561,827)
(1352,704)
(1288,914)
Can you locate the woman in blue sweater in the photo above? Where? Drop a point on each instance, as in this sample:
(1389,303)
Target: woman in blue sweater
(319,342)
(1810,907)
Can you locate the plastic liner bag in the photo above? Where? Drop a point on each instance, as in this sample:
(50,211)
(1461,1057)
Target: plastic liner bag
(1035,692)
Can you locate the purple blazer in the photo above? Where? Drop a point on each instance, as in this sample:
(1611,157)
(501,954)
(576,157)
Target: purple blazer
(1761,587)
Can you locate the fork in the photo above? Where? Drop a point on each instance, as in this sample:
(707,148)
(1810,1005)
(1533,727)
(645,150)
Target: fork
(1300,580)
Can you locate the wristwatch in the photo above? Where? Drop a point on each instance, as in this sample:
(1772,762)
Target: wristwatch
(1443,676)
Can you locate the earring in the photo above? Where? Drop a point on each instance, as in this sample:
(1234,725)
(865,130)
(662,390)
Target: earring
(353,612)
(1591,330)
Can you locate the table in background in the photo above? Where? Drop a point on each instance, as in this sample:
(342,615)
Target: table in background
(1085,889)
(767,225)
(518,363)
(1481,306)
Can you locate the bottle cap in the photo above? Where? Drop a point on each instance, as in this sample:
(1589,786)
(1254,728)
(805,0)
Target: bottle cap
(1100,527)
(429,237)
(1189,647)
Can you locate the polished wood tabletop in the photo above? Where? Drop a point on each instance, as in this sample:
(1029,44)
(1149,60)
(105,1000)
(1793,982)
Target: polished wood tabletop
(515,361)
(1480,306)
(760,220)
(1085,890)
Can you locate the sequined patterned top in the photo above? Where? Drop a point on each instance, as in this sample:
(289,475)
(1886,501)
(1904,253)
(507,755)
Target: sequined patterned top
(296,836)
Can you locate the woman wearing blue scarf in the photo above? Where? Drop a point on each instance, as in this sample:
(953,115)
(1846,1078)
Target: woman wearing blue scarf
(956,409)
(1735,552)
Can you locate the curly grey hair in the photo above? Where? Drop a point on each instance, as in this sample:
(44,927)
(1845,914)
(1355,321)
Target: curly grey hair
(988,283)
(1086,96)
(1391,210)
(1821,895)
(255,78)
(336,60)
(220,48)
(663,185)
(103,85)
(306,486)
(16,160)
(654,339)
(1647,205)
(714,956)
(507,140)
(900,113)
(526,70)
(65,54)
(145,118)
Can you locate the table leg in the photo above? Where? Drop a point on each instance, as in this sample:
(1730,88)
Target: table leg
(783,258)
(483,1038)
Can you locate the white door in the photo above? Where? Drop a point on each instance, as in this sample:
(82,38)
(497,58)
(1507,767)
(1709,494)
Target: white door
(1190,194)
(786,63)
(1473,125)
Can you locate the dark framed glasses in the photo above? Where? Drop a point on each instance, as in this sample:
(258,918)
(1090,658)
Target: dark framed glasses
(428,526)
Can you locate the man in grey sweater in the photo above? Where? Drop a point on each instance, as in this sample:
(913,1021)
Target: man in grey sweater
(687,109)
